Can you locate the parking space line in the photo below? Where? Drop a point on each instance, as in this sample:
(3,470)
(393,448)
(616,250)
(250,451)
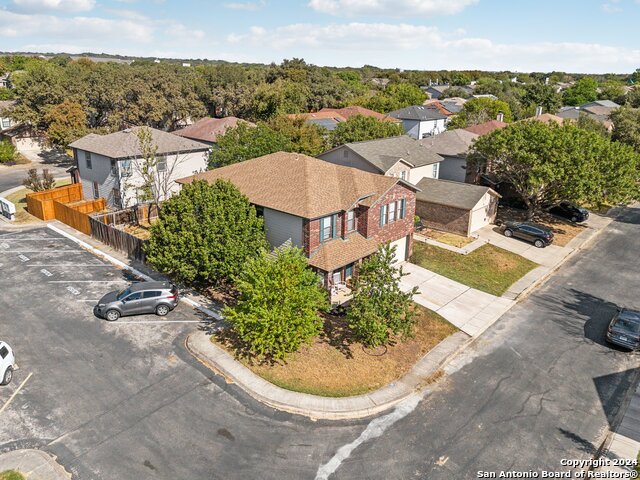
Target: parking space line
(67,265)
(44,250)
(119,322)
(88,281)
(15,393)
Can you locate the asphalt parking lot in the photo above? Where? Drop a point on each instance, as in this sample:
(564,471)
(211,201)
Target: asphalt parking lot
(116,400)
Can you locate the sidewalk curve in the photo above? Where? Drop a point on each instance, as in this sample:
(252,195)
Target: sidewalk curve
(33,464)
(317,407)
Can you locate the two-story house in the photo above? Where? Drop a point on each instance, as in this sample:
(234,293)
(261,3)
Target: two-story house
(111,166)
(337,215)
(420,121)
(402,157)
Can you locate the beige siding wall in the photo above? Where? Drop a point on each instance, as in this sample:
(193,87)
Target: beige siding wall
(344,156)
(427,171)
(483,213)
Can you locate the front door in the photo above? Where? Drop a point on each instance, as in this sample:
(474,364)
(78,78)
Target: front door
(336,277)
(133,304)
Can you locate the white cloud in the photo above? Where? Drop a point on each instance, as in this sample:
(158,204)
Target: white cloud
(612,6)
(425,47)
(247,6)
(42,6)
(393,8)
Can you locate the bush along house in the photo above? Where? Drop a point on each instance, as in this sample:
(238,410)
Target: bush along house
(337,215)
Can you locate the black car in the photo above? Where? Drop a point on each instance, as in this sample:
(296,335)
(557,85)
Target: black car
(624,329)
(539,235)
(569,211)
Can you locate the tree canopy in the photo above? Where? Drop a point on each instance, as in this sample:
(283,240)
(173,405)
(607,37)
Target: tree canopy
(626,128)
(205,234)
(244,142)
(278,304)
(480,110)
(359,128)
(547,163)
(67,123)
(583,91)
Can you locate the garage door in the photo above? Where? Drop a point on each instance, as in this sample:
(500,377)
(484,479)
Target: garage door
(401,249)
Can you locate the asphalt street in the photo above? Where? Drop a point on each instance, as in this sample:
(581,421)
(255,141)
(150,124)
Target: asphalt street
(12,176)
(126,400)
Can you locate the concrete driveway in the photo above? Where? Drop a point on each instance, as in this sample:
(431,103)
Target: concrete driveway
(471,310)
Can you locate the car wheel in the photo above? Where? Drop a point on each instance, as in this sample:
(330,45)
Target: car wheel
(508,233)
(574,219)
(8,375)
(539,243)
(112,315)
(162,310)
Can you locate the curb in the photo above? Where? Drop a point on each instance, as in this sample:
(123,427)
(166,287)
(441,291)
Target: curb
(527,291)
(317,407)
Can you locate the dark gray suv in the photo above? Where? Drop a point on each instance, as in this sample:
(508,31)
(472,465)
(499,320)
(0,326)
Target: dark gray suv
(140,298)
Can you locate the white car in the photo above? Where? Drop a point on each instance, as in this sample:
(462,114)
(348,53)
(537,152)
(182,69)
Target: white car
(7,363)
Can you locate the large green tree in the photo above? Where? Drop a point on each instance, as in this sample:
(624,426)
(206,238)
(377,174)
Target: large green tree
(278,305)
(546,163)
(67,122)
(395,97)
(583,91)
(380,308)
(626,126)
(302,137)
(539,94)
(205,234)
(480,110)
(359,128)
(245,142)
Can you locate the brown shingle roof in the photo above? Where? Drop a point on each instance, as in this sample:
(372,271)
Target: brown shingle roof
(125,143)
(208,129)
(300,185)
(348,112)
(452,143)
(547,118)
(486,127)
(338,253)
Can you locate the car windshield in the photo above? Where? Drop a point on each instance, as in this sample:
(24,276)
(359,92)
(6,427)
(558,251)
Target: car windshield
(124,293)
(628,324)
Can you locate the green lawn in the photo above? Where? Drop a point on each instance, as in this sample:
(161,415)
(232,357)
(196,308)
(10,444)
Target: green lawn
(11,475)
(489,268)
(19,198)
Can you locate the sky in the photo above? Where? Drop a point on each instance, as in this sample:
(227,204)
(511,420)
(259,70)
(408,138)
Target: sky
(580,36)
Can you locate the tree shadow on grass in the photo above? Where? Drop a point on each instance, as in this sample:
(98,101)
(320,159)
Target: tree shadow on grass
(336,333)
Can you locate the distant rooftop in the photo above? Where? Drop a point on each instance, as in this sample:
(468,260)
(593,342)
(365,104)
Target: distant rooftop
(419,112)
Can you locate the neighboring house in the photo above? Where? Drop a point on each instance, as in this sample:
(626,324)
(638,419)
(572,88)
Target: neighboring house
(401,157)
(5,114)
(436,91)
(455,207)
(599,110)
(453,105)
(486,127)
(207,130)
(109,165)
(5,82)
(547,118)
(329,118)
(337,215)
(452,146)
(420,121)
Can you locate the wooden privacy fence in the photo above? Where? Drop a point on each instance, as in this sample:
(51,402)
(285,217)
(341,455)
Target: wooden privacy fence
(40,204)
(76,214)
(116,238)
(135,215)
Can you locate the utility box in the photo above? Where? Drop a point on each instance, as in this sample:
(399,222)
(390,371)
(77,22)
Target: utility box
(7,209)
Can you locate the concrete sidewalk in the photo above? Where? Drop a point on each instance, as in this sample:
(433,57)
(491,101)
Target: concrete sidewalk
(471,310)
(328,408)
(625,442)
(33,464)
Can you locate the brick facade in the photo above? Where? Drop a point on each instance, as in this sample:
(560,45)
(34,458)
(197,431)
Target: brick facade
(399,228)
(441,217)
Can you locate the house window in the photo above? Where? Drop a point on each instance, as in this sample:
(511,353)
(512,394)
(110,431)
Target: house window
(345,153)
(336,277)
(348,271)
(392,212)
(351,220)
(383,215)
(403,175)
(6,123)
(87,159)
(327,228)
(125,168)
(161,164)
(435,170)
(402,206)
(114,167)
(115,193)
(96,190)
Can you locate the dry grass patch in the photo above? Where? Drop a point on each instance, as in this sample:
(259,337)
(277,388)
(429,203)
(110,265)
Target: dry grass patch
(141,231)
(563,230)
(488,268)
(447,238)
(334,365)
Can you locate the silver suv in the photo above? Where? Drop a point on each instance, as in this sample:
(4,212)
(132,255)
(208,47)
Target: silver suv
(140,298)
